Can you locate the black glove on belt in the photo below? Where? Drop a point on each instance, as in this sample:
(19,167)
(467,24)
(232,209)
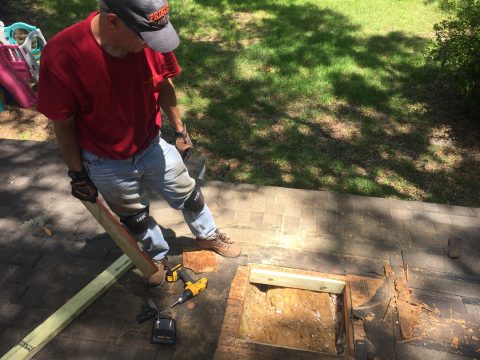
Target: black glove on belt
(82,187)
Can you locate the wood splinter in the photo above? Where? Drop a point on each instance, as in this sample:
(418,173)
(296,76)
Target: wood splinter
(388,308)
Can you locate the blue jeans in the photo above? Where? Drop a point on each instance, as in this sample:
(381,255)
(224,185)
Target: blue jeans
(122,185)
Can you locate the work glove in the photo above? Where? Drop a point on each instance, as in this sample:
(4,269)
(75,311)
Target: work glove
(82,187)
(183,143)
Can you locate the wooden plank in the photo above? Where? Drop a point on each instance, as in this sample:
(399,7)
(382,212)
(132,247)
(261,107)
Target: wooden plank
(266,351)
(296,280)
(46,331)
(239,284)
(299,271)
(347,313)
(122,237)
(231,323)
(233,312)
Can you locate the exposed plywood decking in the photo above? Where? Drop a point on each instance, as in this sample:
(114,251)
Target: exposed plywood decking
(229,342)
(293,318)
(297,281)
(46,331)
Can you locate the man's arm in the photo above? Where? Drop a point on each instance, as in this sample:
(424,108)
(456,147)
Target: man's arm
(82,186)
(167,99)
(67,143)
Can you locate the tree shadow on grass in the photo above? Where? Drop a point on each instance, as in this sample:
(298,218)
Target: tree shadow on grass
(296,95)
(274,126)
(50,16)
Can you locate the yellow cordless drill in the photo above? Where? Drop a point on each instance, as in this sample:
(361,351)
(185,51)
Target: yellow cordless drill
(191,288)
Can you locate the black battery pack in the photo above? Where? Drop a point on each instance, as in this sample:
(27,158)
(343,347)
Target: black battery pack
(163,331)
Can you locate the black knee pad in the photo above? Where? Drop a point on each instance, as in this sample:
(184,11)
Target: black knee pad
(138,223)
(196,201)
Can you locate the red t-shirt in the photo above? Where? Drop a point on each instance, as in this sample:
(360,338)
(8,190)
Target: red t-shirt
(113,99)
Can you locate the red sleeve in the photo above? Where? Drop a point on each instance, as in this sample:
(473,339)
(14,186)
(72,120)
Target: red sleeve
(170,66)
(163,66)
(55,96)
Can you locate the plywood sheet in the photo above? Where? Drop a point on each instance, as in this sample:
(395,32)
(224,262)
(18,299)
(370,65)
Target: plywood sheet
(200,261)
(294,318)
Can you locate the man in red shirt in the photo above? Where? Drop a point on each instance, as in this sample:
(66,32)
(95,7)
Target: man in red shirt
(103,82)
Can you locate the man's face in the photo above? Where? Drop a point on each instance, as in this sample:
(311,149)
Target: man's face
(127,39)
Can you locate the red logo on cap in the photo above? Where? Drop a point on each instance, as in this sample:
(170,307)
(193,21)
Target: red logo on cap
(157,15)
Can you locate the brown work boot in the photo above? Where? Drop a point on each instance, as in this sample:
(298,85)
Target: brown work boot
(157,278)
(221,244)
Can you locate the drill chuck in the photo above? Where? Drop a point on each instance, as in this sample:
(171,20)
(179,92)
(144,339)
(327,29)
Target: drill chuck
(186,294)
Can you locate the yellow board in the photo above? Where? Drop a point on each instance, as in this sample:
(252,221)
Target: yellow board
(58,321)
(297,281)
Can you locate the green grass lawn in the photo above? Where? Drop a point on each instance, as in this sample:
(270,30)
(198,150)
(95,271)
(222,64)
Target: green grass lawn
(327,95)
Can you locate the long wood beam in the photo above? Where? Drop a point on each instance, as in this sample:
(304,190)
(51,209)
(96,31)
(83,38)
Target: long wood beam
(298,281)
(121,236)
(59,320)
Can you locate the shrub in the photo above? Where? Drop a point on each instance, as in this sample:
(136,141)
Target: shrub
(457,47)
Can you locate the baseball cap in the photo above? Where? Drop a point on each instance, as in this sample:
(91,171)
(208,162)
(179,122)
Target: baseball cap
(148,18)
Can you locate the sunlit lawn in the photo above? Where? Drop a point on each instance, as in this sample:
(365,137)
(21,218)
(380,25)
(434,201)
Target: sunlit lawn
(329,95)
(318,95)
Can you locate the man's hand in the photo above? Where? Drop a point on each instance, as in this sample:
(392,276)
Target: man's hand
(183,143)
(82,187)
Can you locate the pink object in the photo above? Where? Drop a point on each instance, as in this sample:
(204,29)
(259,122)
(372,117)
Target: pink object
(14,75)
